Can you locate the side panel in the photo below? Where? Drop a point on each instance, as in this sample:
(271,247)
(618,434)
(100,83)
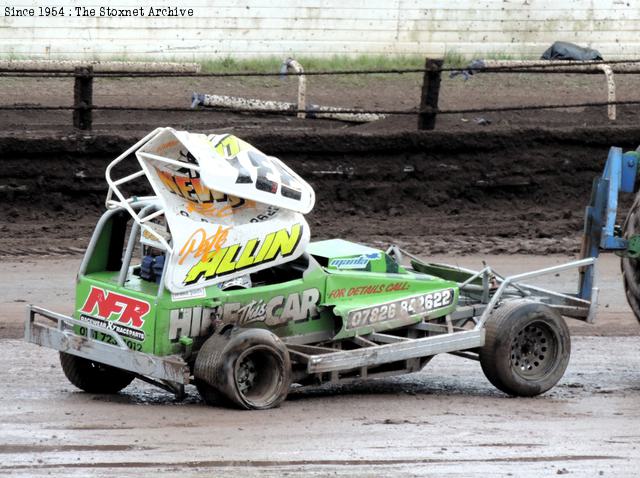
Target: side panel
(130,313)
(369,302)
(290,309)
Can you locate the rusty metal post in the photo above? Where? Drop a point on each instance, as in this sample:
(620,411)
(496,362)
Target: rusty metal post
(83,97)
(430,93)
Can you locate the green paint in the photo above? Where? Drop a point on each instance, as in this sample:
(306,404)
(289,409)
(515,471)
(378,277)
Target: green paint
(633,247)
(351,277)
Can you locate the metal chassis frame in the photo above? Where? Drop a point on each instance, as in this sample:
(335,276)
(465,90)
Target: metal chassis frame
(377,349)
(172,369)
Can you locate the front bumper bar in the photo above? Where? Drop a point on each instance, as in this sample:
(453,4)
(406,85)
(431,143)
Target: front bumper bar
(59,335)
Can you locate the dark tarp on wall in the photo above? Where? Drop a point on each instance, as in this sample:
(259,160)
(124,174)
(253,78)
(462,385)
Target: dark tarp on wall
(562,50)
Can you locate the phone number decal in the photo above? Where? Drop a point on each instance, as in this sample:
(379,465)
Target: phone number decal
(400,308)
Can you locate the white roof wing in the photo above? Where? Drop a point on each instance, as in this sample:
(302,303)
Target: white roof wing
(232,166)
(230,209)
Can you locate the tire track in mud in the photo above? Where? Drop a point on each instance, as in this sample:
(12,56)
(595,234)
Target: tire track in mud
(41,251)
(286,463)
(418,245)
(4,448)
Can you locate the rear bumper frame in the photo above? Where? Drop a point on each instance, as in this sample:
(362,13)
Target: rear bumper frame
(59,335)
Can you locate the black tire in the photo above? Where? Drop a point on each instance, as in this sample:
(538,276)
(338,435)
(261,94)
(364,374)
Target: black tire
(251,369)
(527,348)
(94,377)
(631,267)
(209,359)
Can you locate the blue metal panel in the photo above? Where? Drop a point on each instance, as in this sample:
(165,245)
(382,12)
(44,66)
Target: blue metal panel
(614,243)
(629,169)
(600,216)
(612,173)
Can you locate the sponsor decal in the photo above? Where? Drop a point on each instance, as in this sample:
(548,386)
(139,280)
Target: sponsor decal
(197,321)
(123,314)
(188,295)
(359,262)
(368,290)
(127,310)
(188,187)
(200,246)
(236,257)
(192,322)
(241,314)
(212,210)
(122,330)
(279,310)
(402,308)
(266,215)
(201,199)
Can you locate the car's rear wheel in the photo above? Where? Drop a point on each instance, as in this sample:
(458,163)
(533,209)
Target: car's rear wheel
(251,369)
(527,348)
(208,361)
(94,377)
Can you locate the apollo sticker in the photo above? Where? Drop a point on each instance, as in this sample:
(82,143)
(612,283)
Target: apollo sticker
(399,309)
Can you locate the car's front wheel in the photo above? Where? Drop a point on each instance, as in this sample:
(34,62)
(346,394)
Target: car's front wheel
(527,348)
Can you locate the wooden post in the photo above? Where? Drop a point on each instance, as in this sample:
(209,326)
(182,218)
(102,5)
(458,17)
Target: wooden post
(430,93)
(83,97)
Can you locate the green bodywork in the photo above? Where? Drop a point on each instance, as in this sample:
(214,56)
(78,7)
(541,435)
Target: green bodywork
(633,248)
(347,290)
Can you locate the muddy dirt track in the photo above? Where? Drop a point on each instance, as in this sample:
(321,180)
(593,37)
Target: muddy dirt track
(444,421)
(511,186)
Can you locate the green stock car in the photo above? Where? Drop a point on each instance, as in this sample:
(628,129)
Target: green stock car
(212,280)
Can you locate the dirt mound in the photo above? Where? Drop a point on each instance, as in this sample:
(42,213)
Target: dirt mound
(501,191)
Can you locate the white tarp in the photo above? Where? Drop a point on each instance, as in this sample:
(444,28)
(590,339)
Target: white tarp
(231,210)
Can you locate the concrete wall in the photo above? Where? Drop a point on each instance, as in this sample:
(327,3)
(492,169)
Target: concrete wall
(248,28)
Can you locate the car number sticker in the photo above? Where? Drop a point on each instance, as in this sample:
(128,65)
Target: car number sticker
(400,308)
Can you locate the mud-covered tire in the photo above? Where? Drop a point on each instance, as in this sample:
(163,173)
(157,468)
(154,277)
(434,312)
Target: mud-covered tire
(94,377)
(527,348)
(631,267)
(251,369)
(208,360)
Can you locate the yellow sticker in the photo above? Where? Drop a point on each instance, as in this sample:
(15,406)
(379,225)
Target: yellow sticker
(236,257)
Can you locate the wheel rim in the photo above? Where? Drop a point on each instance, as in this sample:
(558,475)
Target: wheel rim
(246,375)
(258,376)
(534,351)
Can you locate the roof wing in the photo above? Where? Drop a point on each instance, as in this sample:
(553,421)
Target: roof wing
(231,209)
